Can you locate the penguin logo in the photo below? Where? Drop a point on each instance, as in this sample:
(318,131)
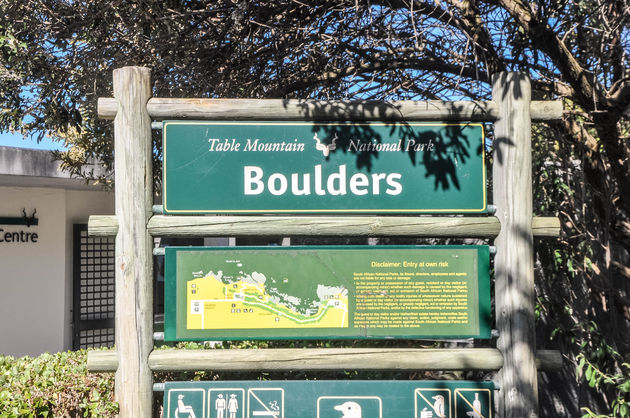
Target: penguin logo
(349,410)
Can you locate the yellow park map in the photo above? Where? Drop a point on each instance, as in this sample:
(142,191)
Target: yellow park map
(246,302)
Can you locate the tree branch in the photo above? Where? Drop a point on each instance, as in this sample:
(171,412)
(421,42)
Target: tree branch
(376,65)
(544,39)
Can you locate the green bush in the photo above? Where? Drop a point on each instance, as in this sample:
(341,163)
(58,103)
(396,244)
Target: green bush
(54,385)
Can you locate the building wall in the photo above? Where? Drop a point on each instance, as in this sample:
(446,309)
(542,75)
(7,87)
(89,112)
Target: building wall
(36,277)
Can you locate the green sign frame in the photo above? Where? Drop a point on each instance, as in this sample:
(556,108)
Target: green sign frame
(332,292)
(229,167)
(330,398)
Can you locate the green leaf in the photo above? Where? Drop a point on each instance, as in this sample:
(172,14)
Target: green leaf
(625,386)
(580,365)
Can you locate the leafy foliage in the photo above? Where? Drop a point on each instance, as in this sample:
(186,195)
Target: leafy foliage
(580,293)
(54,386)
(57,56)
(596,378)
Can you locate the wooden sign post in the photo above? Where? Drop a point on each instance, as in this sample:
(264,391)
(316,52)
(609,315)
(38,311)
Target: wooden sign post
(134,226)
(514,261)
(134,262)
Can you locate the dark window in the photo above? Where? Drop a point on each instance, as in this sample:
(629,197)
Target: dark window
(94,305)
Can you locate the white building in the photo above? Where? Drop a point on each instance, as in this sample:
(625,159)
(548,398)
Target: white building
(56,284)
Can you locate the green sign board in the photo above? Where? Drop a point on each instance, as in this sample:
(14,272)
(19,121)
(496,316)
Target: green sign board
(329,399)
(323,167)
(326,292)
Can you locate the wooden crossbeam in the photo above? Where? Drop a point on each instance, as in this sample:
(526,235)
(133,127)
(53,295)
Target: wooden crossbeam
(324,359)
(372,226)
(277,109)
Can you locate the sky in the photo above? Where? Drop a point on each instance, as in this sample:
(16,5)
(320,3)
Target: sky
(16,140)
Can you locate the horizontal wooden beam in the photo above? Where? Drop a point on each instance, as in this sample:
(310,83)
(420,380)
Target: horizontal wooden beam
(324,359)
(546,226)
(102,225)
(277,109)
(325,226)
(370,226)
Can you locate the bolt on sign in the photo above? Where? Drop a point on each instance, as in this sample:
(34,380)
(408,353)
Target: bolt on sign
(329,399)
(327,292)
(323,167)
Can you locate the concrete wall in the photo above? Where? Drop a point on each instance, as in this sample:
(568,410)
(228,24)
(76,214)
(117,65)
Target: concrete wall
(36,277)
(38,168)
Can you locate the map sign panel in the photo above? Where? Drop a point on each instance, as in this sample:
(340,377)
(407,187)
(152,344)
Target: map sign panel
(329,292)
(323,167)
(329,399)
